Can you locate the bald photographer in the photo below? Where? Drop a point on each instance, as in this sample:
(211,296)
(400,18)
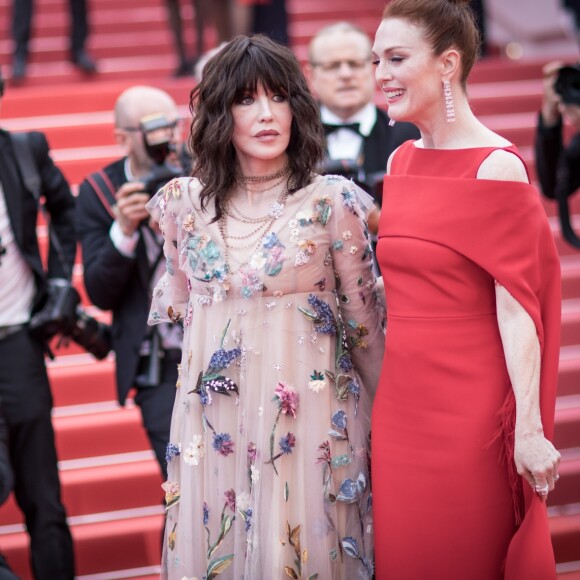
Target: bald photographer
(557,163)
(123,256)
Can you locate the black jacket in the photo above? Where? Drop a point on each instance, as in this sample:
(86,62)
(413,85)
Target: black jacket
(23,211)
(558,167)
(113,281)
(381,142)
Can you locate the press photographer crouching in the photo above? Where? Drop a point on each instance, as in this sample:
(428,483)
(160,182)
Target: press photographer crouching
(123,255)
(558,165)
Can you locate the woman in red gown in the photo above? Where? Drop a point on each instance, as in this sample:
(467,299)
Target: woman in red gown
(461,455)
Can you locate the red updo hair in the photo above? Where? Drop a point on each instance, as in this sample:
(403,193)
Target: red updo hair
(445,23)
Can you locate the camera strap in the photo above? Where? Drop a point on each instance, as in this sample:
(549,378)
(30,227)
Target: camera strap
(28,167)
(104,189)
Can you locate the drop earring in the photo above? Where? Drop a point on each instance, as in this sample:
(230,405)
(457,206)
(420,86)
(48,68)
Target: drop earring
(391,122)
(448,95)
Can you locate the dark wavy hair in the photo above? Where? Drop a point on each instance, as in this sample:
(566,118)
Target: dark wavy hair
(238,68)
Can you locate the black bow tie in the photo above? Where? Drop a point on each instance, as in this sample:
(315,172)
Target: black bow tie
(328,128)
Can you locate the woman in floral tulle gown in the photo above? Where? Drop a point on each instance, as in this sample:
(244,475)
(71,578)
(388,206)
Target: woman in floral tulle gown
(269,269)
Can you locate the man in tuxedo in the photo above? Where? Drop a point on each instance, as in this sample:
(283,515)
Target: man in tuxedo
(79,29)
(123,257)
(24,387)
(358,133)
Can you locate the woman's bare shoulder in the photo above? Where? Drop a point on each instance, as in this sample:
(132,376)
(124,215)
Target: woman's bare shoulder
(503,165)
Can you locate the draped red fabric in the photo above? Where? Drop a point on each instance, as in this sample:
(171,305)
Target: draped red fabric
(501,227)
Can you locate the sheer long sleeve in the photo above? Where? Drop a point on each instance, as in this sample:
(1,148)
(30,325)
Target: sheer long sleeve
(170,299)
(362,312)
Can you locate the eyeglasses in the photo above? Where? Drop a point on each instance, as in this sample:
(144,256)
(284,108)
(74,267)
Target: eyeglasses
(335,65)
(177,124)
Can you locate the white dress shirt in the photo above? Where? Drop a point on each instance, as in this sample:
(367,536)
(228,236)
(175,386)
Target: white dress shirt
(345,143)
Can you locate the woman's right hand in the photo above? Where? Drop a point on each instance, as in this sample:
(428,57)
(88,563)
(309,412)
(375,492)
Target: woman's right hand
(537,461)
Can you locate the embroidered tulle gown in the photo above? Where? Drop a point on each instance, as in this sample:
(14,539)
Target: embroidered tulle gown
(446,498)
(269,452)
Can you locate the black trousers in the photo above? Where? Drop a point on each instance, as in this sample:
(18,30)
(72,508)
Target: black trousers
(156,404)
(271,19)
(27,403)
(22,19)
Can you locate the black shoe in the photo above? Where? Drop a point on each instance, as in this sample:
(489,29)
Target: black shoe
(84,62)
(185,69)
(18,67)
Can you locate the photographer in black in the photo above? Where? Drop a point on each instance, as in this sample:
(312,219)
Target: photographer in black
(558,166)
(123,256)
(24,387)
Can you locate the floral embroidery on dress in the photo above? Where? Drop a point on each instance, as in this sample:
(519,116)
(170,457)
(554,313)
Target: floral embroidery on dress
(350,200)
(307,249)
(322,315)
(212,381)
(361,330)
(251,281)
(204,258)
(172,493)
(318,382)
(188,222)
(194,451)
(301,556)
(219,564)
(172,450)
(275,256)
(287,399)
(223,433)
(172,189)
(322,210)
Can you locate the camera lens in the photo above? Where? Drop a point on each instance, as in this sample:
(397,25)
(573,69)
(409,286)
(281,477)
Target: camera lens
(567,84)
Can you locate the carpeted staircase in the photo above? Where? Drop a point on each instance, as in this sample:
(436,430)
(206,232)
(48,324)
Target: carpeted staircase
(111,483)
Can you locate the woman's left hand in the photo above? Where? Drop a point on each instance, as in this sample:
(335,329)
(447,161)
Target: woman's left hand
(537,461)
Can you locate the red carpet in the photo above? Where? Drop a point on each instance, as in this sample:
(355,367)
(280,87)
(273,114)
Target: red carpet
(111,485)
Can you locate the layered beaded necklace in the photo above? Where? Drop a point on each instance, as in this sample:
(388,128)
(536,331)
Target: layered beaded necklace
(263,223)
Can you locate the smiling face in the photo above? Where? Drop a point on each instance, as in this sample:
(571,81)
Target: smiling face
(408,72)
(262,125)
(340,72)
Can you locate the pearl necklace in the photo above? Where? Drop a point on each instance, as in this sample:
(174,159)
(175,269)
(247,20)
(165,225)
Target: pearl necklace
(275,210)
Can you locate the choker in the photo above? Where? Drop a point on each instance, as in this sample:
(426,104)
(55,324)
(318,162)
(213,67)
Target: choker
(240,178)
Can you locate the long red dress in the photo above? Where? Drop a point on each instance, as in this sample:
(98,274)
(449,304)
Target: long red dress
(447,502)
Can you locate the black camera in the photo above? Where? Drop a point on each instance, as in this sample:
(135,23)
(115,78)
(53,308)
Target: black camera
(62,313)
(567,84)
(157,133)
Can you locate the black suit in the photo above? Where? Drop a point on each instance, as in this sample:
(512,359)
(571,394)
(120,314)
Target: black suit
(121,284)
(6,485)
(381,142)
(21,22)
(24,386)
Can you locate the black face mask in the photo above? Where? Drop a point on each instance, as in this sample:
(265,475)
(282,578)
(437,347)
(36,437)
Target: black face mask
(567,84)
